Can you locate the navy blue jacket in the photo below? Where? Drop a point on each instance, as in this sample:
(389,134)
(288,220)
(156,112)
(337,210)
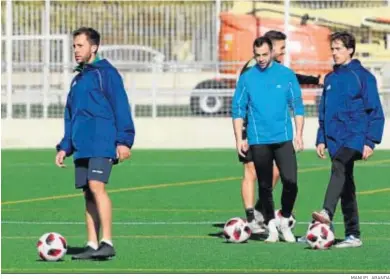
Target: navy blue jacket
(350,112)
(97,113)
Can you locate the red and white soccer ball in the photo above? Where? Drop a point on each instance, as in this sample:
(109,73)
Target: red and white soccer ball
(237,230)
(51,247)
(319,236)
(291,221)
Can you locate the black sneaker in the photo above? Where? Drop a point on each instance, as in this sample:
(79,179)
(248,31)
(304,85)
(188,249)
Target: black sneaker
(86,255)
(104,251)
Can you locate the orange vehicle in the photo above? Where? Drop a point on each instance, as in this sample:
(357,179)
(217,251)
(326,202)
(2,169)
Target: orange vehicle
(309,54)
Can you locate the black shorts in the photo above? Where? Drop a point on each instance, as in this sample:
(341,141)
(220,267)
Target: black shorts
(247,159)
(92,169)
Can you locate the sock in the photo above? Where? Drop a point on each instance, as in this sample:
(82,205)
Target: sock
(250,214)
(108,241)
(93,245)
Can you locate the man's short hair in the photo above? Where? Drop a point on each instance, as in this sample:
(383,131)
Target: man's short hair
(274,35)
(93,36)
(346,38)
(261,41)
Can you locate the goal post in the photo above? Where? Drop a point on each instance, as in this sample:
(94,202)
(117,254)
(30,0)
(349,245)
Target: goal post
(59,56)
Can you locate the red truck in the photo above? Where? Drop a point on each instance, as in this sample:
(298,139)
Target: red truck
(309,54)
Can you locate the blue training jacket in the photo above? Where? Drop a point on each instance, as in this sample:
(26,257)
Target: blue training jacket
(97,113)
(264,98)
(350,112)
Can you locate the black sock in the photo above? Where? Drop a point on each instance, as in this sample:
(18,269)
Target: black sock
(250,214)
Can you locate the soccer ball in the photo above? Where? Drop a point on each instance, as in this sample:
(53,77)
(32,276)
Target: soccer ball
(291,221)
(319,236)
(237,230)
(51,247)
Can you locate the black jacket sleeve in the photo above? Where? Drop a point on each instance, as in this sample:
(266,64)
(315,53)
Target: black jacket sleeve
(302,79)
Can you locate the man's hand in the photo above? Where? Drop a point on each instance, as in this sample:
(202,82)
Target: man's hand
(122,152)
(367,152)
(298,142)
(60,157)
(321,151)
(242,146)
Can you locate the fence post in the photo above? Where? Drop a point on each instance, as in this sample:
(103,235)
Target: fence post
(66,61)
(9,33)
(46,58)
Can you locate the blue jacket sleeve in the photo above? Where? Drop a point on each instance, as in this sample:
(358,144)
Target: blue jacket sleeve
(240,100)
(373,107)
(295,96)
(321,119)
(121,108)
(66,142)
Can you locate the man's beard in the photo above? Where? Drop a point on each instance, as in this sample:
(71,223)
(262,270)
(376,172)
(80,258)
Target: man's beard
(86,59)
(266,66)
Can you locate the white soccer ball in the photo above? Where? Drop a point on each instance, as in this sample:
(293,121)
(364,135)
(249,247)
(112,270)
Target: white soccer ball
(237,230)
(291,221)
(51,247)
(320,236)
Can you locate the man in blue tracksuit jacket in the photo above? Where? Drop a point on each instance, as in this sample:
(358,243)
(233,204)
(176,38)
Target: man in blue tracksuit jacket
(351,122)
(99,130)
(264,96)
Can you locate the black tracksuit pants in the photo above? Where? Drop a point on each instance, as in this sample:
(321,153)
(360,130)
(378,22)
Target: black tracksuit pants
(284,156)
(342,185)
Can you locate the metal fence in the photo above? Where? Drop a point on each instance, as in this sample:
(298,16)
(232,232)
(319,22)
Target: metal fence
(181,30)
(166,26)
(155,92)
(163,49)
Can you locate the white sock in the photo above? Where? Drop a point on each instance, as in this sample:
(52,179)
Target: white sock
(93,245)
(108,241)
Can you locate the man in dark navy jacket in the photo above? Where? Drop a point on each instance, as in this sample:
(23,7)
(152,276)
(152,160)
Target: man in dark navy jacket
(99,131)
(351,122)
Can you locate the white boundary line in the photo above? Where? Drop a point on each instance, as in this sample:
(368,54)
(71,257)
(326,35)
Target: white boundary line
(131,223)
(174,165)
(206,164)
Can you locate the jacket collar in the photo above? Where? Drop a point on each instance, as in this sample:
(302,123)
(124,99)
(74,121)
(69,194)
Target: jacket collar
(80,67)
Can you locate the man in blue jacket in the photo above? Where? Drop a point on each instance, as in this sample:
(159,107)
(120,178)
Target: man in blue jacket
(264,95)
(351,122)
(99,131)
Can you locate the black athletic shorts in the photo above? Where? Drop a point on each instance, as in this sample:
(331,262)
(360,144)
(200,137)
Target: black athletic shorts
(96,168)
(247,159)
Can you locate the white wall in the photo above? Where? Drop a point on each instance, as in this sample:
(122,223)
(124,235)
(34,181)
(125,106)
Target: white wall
(170,133)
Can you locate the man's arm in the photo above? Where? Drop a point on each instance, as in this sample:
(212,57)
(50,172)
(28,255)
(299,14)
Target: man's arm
(296,104)
(299,123)
(66,142)
(303,79)
(239,112)
(295,98)
(321,119)
(373,107)
(237,128)
(121,109)
(240,100)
